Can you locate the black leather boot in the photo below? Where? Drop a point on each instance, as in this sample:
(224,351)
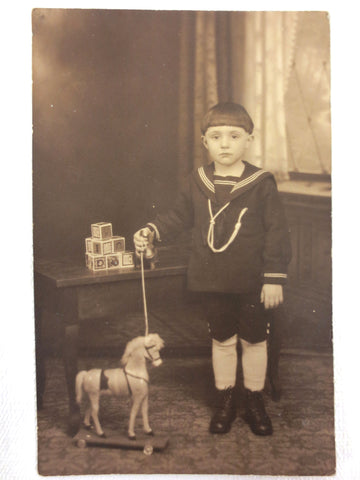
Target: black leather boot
(256,415)
(225,411)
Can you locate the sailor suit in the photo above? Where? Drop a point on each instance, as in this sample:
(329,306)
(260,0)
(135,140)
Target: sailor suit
(240,238)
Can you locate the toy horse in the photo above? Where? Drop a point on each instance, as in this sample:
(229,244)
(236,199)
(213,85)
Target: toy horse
(131,379)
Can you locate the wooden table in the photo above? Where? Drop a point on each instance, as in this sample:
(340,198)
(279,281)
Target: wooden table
(75,294)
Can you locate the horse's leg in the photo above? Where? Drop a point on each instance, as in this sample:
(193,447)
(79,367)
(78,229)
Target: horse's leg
(87,423)
(144,410)
(94,400)
(137,399)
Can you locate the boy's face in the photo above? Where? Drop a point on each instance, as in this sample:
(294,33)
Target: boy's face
(226,145)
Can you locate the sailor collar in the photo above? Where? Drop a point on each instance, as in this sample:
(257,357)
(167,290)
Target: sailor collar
(204,177)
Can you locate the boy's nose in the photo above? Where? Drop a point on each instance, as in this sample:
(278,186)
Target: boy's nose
(224,142)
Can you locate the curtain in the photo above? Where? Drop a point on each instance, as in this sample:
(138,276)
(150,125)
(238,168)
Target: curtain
(186,135)
(205,78)
(269,50)
(240,56)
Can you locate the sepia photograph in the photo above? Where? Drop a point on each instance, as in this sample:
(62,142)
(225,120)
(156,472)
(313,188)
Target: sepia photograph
(182,242)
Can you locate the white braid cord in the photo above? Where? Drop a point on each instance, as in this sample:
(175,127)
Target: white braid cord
(144,295)
(210,237)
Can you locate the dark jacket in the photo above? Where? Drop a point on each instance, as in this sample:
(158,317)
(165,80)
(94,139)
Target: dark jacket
(261,250)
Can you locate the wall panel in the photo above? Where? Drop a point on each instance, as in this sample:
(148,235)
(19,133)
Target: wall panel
(105,120)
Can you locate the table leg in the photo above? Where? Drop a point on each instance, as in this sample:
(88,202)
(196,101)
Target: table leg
(275,343)
(40,358)
(70,358)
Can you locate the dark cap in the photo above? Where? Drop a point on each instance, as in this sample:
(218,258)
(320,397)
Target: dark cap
(229,114)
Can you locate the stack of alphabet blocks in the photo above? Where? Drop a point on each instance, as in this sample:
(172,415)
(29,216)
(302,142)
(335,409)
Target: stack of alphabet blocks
(105,251)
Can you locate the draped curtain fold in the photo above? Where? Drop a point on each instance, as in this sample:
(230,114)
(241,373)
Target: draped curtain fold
(205,78)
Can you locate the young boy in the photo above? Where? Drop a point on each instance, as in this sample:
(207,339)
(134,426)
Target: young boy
(239,258)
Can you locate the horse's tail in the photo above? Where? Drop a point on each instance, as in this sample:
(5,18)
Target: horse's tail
(79,385)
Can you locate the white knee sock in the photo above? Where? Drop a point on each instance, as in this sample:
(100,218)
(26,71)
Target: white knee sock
(224,360)
(254,363)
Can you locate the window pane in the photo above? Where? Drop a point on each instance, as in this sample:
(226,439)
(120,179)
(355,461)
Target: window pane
(307,100)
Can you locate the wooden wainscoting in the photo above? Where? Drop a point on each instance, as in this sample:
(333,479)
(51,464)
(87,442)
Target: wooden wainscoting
(309,290)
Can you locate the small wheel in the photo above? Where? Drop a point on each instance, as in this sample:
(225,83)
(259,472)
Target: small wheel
(148,449)
(81,443)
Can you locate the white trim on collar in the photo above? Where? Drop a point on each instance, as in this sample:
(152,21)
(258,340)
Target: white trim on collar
(248,180)
(206,180)
(243,183)
(225,182)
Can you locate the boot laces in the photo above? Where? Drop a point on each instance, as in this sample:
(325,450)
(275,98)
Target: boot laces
(225,399)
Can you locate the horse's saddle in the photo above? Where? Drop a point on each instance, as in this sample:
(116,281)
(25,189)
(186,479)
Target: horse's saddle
(104,381)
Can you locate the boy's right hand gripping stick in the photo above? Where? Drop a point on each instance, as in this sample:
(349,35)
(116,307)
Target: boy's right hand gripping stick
(150,252)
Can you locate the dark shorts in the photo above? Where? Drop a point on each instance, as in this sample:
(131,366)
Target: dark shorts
(228,314)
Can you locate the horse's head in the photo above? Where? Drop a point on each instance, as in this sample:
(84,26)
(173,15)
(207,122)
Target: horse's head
(153,344)
(139,347)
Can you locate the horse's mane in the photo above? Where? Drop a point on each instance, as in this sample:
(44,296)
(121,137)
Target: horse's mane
(140,342)
(130,347)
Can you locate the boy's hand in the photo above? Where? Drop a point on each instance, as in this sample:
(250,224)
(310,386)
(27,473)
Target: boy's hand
(271,295)
(142,238)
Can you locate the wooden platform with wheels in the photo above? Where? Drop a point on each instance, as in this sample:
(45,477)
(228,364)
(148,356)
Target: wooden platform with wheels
(148,444)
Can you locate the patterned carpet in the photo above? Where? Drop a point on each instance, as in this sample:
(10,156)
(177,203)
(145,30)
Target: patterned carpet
(180,406)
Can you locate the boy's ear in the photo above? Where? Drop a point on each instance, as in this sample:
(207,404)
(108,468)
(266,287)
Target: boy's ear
(250,140)
(204,141)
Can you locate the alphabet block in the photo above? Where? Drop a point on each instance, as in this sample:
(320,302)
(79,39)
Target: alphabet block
(101,230)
